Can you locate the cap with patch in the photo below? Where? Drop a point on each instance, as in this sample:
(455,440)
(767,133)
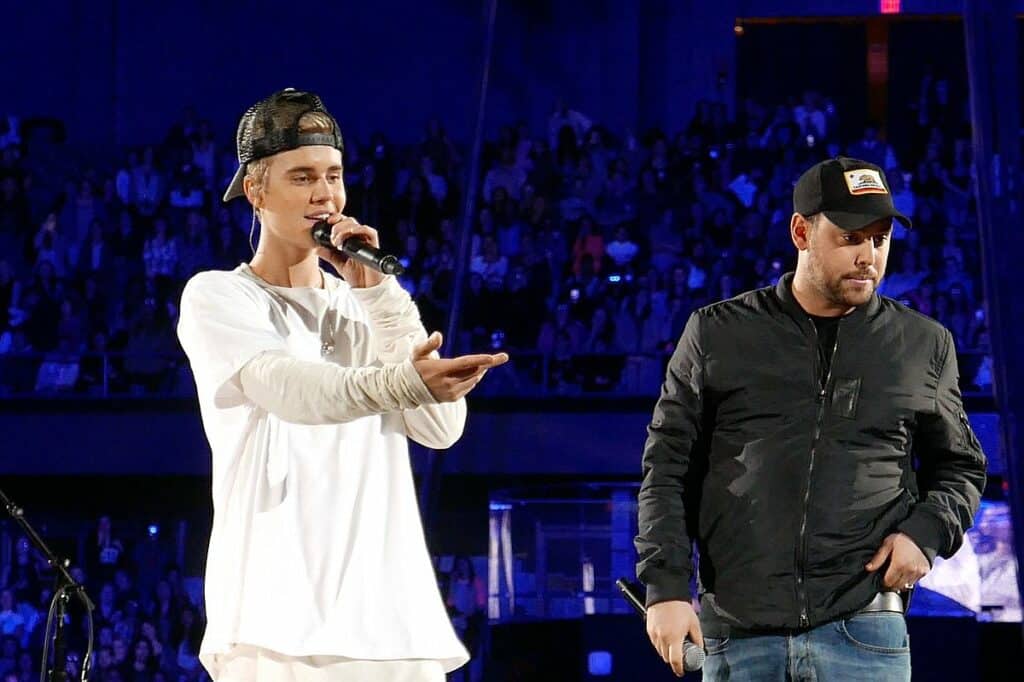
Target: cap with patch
(850,192)
(271,126)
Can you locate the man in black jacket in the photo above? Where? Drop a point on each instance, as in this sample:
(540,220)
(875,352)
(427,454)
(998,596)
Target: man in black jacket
(811,439)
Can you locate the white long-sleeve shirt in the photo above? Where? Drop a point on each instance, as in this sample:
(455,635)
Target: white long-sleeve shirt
(307,397)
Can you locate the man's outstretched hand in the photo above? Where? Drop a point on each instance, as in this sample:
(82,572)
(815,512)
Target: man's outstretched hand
(451,379)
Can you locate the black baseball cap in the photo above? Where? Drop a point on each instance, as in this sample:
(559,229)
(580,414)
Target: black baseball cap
(271,126)
(850,192)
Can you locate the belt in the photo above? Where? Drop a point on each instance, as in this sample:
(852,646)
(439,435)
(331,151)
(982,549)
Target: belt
(884,601)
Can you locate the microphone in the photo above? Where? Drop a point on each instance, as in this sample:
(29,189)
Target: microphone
(356,248)
(693,655)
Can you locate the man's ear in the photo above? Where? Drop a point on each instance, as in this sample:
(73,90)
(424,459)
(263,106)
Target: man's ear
(254,195)
(800,232)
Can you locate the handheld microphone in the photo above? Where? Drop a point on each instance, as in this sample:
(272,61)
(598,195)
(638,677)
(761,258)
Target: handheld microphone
(357,249)
(693,655)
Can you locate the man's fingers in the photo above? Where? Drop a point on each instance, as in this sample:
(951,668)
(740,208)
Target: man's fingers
(695,635)
(658,643)
(431,344)
(344,227)
(663,650)
(474,361)
(464,386)
(660,648)
(880,556)
(675,657)
(894,578)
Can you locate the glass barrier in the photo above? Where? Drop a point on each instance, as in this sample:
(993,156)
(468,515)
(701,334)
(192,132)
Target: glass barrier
(556,551)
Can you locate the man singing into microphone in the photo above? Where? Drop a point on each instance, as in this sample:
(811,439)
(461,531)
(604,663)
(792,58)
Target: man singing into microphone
(308,387)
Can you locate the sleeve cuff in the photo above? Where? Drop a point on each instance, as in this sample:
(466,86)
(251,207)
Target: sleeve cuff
(666,586)
(416,386)
(926,532)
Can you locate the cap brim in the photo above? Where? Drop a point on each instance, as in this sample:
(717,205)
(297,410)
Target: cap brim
(237,186)
(852,222)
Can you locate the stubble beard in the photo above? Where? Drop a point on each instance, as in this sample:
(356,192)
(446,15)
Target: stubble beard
(835,288)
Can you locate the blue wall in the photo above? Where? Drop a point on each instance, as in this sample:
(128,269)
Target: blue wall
(119,73)
(168,438)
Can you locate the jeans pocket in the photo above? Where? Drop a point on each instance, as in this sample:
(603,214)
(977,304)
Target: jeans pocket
(884,633)
(715,645)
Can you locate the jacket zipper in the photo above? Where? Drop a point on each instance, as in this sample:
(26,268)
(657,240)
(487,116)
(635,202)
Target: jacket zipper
(822,395)
(970,440)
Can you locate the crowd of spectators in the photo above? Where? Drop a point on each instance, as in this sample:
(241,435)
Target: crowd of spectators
(148,621)
(589,247)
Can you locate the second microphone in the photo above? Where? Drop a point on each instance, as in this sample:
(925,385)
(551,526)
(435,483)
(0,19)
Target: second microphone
(357,249)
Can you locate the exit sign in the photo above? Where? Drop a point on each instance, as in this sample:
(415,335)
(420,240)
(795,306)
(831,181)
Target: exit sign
(889,6)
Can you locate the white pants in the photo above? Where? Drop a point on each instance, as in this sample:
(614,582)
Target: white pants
(252,664)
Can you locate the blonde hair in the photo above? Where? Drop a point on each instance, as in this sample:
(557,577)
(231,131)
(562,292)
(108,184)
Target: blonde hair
(257,171)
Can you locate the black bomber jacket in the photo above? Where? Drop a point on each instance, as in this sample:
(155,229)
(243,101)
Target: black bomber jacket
(789,483)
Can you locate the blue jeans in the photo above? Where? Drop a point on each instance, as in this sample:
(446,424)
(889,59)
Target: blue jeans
(865,646)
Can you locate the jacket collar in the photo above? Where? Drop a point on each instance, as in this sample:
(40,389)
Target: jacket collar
(784,292)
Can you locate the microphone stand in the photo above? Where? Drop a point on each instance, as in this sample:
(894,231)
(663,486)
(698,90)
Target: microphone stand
(66,588)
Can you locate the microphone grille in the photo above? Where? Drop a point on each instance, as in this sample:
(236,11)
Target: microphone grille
(693,656)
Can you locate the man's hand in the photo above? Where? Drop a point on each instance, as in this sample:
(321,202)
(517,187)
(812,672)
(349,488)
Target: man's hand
(907,563)
(355,273)
(449,380)
(668,624)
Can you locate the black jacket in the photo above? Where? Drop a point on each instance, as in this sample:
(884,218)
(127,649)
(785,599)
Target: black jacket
(789,487)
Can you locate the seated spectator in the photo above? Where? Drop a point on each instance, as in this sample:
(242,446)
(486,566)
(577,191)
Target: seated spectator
(617,203)
(195,254)
(121,661)
(204,154)
(953,274)
(187,188)
(565,118)
(22,574)
(871,148)
(51,246)
(106,554)
(490,264)
(561,323)
(160,253)
(439,147)
(601,337)
(148,353)
(143,663)
(902,197)
(436,183)
(59,370)
(506,174)
(418,206)
(908,277)
(147,185)
(589,242)
(622,250)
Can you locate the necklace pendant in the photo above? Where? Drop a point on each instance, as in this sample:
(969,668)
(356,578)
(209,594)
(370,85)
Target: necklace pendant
(326,349)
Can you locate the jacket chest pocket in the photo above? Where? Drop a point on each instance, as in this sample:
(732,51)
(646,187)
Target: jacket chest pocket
(845,396)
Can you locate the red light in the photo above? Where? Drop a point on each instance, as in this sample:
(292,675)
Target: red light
(889,6)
